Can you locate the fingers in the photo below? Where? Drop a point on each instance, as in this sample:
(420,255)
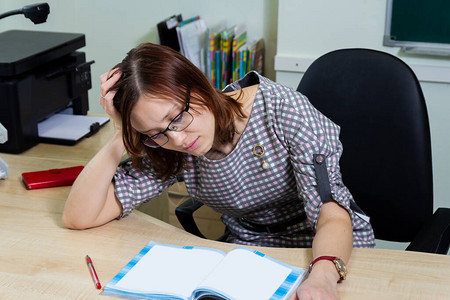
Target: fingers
(108,104)
(293,297)
(107,80)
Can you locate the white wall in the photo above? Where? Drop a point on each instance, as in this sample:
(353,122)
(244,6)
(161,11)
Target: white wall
(308,29)
(113,27)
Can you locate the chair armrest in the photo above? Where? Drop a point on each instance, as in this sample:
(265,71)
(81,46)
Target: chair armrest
(184,213)
(434,237)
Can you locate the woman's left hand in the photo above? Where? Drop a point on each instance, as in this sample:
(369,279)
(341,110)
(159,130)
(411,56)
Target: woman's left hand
(316,287)
(334,236)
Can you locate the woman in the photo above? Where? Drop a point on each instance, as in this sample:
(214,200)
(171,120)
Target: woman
(251,152)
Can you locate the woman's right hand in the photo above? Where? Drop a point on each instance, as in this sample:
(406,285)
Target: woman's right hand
(107,80)
(92,201)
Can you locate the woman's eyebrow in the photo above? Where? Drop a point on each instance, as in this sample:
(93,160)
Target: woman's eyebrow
(166,117)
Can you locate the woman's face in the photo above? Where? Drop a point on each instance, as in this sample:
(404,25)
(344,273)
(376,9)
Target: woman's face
(152,115)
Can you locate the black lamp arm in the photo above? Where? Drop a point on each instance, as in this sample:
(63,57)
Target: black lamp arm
(11,13)
(35,12)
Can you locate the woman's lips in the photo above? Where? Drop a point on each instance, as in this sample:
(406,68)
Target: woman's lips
(192,146)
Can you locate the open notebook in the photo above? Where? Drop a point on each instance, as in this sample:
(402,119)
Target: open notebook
(162,271)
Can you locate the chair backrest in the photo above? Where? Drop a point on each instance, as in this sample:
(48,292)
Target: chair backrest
(377,101)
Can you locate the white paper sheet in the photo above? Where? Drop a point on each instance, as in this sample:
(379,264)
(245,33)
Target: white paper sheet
(68,127)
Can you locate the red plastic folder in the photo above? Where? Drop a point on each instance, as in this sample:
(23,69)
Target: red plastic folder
(51,178)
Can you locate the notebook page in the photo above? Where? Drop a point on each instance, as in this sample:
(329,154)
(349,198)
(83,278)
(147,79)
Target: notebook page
(171,270)
(246,275)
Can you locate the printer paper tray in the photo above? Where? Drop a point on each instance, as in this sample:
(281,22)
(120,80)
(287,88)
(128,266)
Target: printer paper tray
(67,129)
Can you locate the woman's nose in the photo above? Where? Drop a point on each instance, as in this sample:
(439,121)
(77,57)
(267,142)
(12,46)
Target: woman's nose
(176,137)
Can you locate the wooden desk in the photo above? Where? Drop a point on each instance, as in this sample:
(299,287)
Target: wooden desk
(60,156)
(39,259)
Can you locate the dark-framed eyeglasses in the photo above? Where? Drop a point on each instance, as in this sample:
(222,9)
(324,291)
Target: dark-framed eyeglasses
(179,123)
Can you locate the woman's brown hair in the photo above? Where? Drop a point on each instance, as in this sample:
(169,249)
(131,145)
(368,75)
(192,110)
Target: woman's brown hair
(151,69)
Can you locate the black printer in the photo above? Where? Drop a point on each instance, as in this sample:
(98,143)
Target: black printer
(41,73)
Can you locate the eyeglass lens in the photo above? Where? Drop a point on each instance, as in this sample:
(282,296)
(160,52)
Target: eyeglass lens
(179,123)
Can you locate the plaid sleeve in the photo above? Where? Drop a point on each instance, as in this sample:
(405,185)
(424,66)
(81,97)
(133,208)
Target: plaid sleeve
(306,132)
(134,187)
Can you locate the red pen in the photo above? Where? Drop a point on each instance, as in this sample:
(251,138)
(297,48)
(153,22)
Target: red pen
(93,273)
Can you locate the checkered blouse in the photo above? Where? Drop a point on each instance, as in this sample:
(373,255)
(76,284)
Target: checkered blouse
(291,131)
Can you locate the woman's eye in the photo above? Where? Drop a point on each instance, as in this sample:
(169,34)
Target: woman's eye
(155,136)
(173,127)
(178,118)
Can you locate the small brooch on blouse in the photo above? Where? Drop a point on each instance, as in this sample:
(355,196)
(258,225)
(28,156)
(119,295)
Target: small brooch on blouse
(258,150)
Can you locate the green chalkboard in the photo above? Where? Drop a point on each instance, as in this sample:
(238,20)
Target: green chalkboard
(425,21)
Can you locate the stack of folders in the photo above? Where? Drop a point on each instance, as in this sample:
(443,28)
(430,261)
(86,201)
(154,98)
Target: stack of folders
(231,56)
(162,271)
(223,54)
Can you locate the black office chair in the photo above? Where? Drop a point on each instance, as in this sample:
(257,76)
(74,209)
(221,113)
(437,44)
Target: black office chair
(185,215)
(386,164)
(377,101)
